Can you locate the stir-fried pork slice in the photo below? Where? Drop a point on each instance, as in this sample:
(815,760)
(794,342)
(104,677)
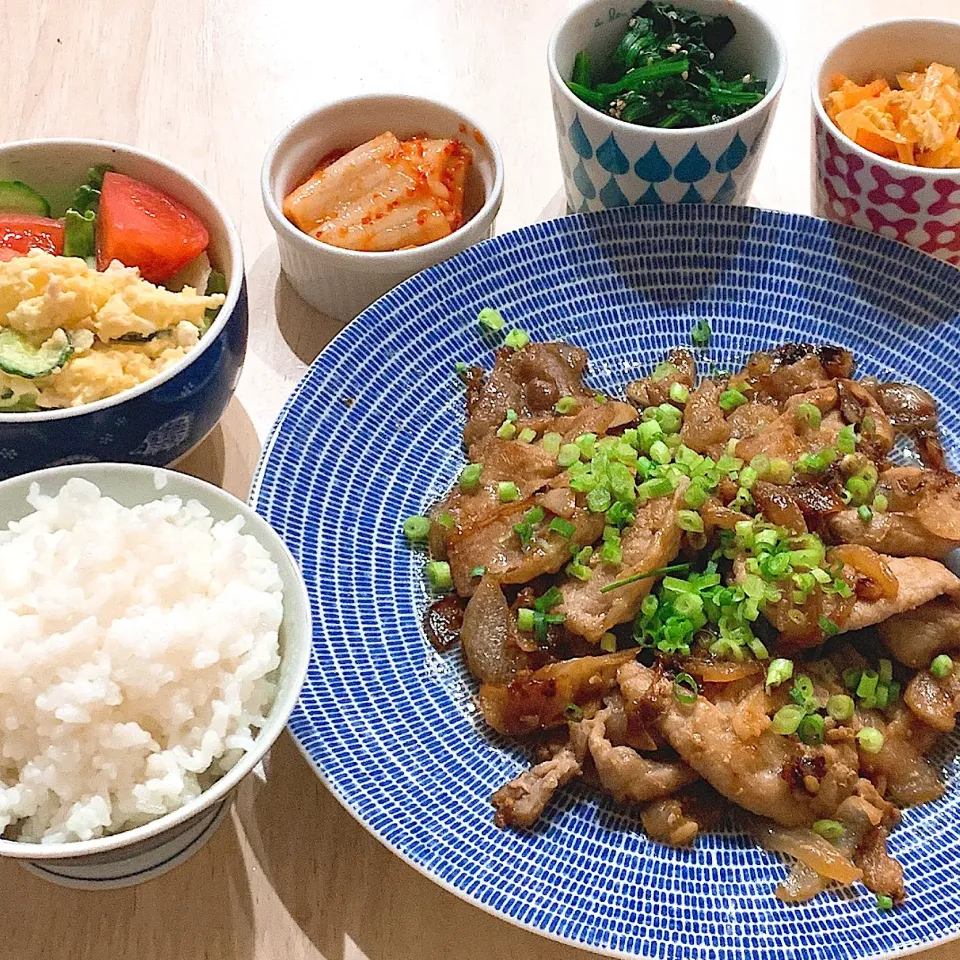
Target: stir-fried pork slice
(676,820)
(705,427)
(913,412)
(920,581)
(626,775)
(794,368)
(881,873)
(489,636)
(499,550)
(679,367)
(537,700)
(529,381)
(626,728)
(934,701)
(917,636)
(521,802)
(743,765)
(923,518)
(649,543)
(909,778)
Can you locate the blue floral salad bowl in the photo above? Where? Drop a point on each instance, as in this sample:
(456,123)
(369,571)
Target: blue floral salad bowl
(162,419)
(609,163)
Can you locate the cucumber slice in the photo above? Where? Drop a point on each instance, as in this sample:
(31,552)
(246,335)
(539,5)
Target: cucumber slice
(17,197)
(20,358)
(11,403)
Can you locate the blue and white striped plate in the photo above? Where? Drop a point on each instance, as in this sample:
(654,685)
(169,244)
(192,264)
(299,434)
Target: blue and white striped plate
(372,434)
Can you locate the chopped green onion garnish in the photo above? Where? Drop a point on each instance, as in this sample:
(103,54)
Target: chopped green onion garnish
(608,643)
(507,491)
(568,455)
(942,666)
(787,719)
(806,414)
(527,435)
(828,829)
(548,600)
(490,319)
(880,503)
(446,520)
(669,418)
(565,405)
(478,572)
(551,442)
(416,528)
(507,430)
(847,439)
(828,626)
(885,670)
(695,496)
(731,399)
(700,333)
(685,689)
(517,339)
(779,671)
(470,477)
(660,452)
(748,477)
(780,471)
(840,707)
(859,488)
(690,521)
(811,729)
(587,442)
(651,489)
(460,368)
(525,619)
(679,393)
(867,686)
(851,678)
(870,739)
(884,902)
(438,573)
(676,568)
(564,527)
(598,500)
(572,712)
(864,513)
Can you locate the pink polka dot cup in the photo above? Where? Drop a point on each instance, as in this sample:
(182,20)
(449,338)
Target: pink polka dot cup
(915,205)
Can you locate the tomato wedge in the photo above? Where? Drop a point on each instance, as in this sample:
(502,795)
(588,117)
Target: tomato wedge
(22,233)
(7,254)
(143,227)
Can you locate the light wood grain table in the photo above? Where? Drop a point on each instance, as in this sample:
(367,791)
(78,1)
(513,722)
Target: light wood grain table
(208,85)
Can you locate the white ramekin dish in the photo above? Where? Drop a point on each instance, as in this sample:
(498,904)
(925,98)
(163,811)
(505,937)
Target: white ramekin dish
(341,283)
(136,855)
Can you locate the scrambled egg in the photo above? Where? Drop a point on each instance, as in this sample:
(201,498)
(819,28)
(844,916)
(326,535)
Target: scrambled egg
(44,296)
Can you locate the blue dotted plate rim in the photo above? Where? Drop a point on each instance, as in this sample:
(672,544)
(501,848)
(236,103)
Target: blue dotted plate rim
(352,336)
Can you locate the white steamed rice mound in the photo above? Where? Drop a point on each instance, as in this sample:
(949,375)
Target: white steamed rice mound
(138,655)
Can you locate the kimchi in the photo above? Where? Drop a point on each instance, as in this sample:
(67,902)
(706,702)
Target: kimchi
(386,194)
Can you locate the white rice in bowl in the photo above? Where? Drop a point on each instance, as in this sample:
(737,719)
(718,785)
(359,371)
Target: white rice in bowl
(138,657)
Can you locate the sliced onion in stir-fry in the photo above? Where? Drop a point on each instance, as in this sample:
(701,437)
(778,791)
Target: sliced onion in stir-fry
(803,844)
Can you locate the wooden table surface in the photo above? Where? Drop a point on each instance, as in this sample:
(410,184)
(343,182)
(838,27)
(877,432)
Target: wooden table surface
(208,84)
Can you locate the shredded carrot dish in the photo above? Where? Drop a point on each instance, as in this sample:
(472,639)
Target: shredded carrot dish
(916,124)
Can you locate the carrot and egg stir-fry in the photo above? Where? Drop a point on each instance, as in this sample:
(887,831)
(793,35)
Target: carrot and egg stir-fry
(916,124)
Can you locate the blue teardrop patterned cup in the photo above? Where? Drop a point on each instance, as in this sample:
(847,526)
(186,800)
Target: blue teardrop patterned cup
(608,163)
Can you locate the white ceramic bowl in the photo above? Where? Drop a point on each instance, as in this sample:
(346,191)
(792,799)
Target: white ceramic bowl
(915,205)
(609,163)
(134,856)
(341,283)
